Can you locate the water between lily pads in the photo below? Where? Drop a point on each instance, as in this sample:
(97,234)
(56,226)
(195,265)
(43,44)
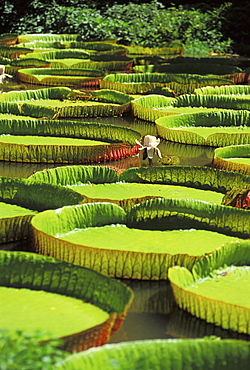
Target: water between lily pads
(153,313)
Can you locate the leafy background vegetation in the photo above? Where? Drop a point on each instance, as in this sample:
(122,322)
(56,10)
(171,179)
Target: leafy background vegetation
(202,26)
(25,351)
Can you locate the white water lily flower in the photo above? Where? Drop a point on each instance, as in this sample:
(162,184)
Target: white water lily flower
(149,146)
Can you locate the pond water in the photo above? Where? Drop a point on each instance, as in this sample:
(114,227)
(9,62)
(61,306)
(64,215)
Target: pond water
(153,313)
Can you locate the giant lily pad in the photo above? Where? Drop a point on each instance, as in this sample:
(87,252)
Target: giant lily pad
(60,77)
(47,37)
(213,101)
(59,150)
(41,196)
(16,125)
(153,107)
(216,128)
(191,176)
(128,194)
(146,82)
(224,90)
(235,158)
(78,305)
(216,289)
(112,65)
(102,237)
(63,102)
(210,353)
(73,175)
(96,183)
(172,48)
(78,109)
(17,209)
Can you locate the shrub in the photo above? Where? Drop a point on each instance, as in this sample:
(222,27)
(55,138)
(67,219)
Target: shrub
(134,23)
(25,351)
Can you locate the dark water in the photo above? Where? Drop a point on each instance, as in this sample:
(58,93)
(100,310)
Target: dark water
(153,313)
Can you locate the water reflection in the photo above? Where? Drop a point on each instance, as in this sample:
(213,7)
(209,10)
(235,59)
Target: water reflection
(182,324)
(154,315)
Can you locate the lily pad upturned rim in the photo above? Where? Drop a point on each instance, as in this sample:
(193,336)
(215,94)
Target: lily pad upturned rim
(32,271)
(222,157)
(218,312)
(62,153)
(208,353)
(181,128)
(42,196)
(126,263)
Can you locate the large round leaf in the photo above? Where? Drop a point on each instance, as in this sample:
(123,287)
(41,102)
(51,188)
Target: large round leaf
(73,175)
(59,150)
(217,288)
(96,235)
(36,196)
(203,127)
(146,82)
(210,354)
(60,77)
(233,158)
(192,176)
(213,101)
(56,280)
(128,194)
(16,125)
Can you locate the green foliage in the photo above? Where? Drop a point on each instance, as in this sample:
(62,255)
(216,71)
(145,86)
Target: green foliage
(149,24)
(25,351)
(153,25)
(64,19)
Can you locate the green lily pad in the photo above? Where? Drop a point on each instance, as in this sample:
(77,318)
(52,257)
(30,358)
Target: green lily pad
(58,149)
(39,140)
(121,238)
(97,236)
(206,127)
(87,108)
(217,288)
(41,195)
(127,194)
(60,77)
(66,315)
(235,158)
(213,101)
(209,353)
(76,304)
(11,210)
(153,107)
(192,176)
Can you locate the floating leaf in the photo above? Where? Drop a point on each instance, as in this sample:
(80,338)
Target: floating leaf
(60,286)
(210,353)
(102,237)
(216,289)
(235,158)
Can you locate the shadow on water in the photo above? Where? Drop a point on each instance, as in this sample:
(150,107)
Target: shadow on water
(154,315)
